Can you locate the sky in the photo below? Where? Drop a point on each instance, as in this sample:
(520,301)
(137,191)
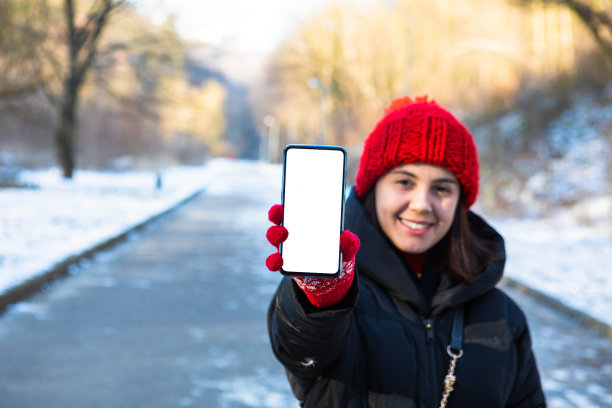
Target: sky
(245,24)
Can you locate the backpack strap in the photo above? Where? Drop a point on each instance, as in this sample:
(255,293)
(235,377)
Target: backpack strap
(455,351)
(456,342)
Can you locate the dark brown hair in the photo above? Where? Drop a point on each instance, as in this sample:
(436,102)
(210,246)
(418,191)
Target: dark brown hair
(460,253)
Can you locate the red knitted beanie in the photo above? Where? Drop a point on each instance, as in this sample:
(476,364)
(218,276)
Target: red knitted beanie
(419,131)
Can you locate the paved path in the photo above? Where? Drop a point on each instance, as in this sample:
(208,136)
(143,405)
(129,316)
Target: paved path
(175,317)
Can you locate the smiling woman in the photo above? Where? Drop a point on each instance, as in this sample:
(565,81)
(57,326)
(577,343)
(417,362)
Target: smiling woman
(424,278)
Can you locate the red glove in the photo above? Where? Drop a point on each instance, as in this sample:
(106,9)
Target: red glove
(321,292)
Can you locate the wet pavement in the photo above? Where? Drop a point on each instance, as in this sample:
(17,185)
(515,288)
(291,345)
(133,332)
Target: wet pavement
(175,317)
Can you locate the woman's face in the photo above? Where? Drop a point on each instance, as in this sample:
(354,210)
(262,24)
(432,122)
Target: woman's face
(415,205)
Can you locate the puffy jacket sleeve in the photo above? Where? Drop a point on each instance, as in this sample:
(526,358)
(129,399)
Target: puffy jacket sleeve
(527,390)
(306,340)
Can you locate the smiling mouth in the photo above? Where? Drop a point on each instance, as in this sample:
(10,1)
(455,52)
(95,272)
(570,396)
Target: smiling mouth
(417,226)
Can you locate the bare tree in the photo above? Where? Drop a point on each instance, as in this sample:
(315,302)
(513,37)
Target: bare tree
(122,77)
(82,36)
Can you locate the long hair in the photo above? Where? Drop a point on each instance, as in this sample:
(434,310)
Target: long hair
(460,253)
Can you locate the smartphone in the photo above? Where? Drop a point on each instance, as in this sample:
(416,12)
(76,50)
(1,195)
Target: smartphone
(314,179)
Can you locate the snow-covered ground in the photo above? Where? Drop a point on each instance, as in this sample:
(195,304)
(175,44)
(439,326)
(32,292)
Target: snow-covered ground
(41,227)
(564,260)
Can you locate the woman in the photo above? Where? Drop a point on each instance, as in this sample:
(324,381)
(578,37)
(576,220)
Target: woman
(423,324)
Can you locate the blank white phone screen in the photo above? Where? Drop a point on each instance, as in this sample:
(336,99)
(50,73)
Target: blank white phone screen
(313,199)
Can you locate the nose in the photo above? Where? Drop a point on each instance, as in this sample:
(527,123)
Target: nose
(420,200)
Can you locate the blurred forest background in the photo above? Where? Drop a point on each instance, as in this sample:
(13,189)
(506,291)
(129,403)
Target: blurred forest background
(94,84)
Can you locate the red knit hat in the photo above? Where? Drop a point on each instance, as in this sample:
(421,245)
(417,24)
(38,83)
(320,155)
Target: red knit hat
(419,131)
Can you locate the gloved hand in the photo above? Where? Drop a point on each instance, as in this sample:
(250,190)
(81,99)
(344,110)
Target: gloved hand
(321,292)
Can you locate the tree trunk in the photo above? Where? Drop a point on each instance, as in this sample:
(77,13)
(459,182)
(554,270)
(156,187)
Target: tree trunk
(82,46)
(66,131)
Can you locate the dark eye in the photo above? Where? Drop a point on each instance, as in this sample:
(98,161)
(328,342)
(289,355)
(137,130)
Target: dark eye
(443,189)
(404,182)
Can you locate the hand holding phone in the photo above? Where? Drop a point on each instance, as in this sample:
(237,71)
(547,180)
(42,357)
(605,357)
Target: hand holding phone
(321,292)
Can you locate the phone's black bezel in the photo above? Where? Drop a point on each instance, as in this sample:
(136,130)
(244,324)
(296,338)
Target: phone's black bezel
(317,147)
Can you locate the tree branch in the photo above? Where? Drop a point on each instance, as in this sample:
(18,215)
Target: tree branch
(84,40)
(596,22)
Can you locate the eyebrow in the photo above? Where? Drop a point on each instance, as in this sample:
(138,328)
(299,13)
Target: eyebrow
(409,174)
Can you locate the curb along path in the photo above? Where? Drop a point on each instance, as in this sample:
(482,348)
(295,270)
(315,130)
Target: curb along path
(582,318)
(61,269)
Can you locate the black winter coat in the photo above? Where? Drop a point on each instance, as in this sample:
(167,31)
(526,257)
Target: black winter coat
(375,349)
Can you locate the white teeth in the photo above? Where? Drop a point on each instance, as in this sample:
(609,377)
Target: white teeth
(414,225)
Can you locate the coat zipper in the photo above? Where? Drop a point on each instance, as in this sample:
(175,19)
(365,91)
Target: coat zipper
(429,332)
